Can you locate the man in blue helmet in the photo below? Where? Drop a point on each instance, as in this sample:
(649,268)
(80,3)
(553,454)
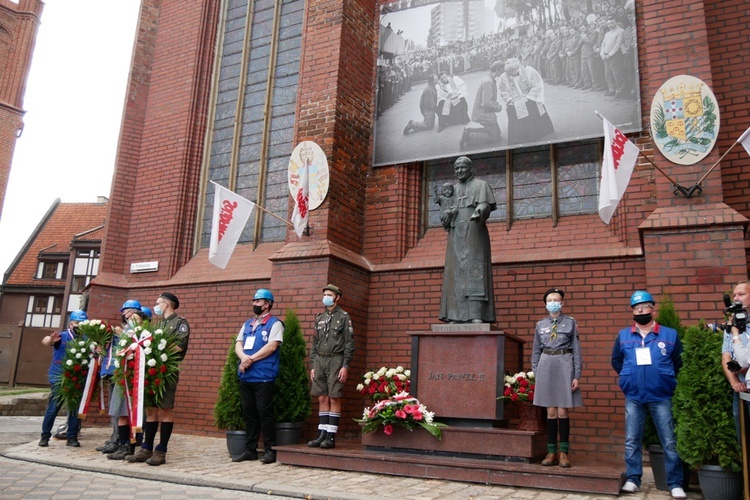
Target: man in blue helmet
(59,342)
(647,357)
(163,415)
(257,346)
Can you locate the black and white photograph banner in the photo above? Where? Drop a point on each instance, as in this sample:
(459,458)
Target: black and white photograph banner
(473,76)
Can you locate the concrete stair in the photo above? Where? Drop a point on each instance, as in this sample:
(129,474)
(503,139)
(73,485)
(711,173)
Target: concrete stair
(24,405)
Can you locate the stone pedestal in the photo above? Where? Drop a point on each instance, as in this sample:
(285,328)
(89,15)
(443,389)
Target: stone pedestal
(458,371)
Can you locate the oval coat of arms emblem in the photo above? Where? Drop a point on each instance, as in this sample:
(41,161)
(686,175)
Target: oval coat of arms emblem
(684,120)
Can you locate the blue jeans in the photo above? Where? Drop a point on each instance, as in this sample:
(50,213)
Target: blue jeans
(635,421)
(53,408)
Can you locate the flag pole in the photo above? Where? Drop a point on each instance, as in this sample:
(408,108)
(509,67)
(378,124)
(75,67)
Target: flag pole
(677,187)
(274,215)
(700,181)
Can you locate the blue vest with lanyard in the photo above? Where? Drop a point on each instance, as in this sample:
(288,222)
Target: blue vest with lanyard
(266,369)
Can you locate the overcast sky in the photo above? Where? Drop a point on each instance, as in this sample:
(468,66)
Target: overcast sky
(73,101)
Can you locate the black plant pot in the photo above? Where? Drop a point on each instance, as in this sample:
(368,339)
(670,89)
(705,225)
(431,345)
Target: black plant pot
(289,433)
(236,443)
(658,466)
(719,484)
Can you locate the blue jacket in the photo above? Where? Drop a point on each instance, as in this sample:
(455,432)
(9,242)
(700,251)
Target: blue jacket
(58,353)
(648,383)
(266,369)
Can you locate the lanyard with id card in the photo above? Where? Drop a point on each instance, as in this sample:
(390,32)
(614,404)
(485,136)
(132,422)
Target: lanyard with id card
(642,356)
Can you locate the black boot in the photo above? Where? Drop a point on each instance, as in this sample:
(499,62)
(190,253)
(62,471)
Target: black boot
(122,452)
(110,448)
(315,443)
(330,442)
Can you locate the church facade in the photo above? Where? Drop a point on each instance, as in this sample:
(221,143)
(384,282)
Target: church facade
(223,91)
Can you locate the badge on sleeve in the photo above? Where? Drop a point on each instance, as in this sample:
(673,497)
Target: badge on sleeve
(183,328)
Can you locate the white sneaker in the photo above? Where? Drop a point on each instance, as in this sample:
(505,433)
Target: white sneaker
(678,493)
(631,487)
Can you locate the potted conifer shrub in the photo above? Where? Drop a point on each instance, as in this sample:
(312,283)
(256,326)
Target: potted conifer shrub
(702,405)
(228,407)
(291,400)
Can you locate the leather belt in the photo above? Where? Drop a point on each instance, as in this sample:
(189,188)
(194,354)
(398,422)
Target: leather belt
(552,352)
(329,354)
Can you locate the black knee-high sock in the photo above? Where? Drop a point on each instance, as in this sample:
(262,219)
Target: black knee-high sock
(166,433)
(565,434)
(149,433)
(551,435)
(123,434)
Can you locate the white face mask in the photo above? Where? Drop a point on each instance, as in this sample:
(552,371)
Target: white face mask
(327,300)
(158,311)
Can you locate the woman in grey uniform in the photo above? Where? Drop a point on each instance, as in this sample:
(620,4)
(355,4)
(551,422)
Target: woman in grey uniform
(556,362)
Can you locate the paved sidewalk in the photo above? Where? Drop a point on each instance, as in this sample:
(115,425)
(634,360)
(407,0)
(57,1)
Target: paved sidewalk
(204,461)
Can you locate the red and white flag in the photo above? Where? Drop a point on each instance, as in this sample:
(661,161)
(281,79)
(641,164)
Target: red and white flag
(231,212)
(619,160)
(745,140)
(302,202)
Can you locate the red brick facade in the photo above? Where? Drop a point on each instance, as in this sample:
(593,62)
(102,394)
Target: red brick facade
(367,235)
(18,27)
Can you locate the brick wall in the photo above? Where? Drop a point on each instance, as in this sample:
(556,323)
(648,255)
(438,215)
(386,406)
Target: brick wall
(18,27)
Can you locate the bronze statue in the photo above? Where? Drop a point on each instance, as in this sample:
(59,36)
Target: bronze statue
(467,278)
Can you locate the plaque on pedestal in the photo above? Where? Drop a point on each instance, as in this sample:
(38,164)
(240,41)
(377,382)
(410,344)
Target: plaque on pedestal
(458,371)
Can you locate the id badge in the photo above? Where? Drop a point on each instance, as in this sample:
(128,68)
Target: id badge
(642,356)
(249,342)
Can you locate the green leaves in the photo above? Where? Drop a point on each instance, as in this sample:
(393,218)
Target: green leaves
(702,404)
(291,399)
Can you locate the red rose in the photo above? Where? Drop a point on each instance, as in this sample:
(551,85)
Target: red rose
(131,364)
(77,368)
(163,368)
(157,381)
(122,382)
(507,391)
(75,379)
(152,371)
(78,386)
(522,390)
(85,372)
(372,389)
(514,397)
(388,429)
(523,383)
(533,386)
(531,395)
(67,374)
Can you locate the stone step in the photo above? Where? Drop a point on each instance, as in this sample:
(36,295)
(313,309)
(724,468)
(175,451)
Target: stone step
(24,405)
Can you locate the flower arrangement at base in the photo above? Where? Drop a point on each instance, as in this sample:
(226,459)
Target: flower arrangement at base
(402,410)
(68,389)
(154,348)
(384,383)
(519,387)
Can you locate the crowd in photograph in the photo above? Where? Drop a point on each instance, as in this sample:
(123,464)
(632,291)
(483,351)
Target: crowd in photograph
(595,52)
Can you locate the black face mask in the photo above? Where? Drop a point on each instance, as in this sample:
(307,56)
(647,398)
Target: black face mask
(75,330)
(643,319)
(124,319)
(258,310)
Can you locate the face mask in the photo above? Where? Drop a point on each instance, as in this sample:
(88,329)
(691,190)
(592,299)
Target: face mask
(554,307)
(327,300)
(158,311)
(124,319)
(643,319)
(75,330)
(258,310)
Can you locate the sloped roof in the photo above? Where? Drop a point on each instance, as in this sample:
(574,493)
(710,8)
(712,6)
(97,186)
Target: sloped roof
(63,223)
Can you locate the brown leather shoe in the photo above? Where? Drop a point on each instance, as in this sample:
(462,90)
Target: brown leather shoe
(158,458)
(564,461)
(141,455)
(550,459)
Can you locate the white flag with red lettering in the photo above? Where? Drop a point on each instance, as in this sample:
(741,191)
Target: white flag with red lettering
(231,212)
(302,202)
(745,140)
(619,160)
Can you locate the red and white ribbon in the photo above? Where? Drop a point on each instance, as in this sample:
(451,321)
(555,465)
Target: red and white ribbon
(134,395)
(88,389)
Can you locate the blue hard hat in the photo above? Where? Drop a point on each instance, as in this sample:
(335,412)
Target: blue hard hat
(78,316)
(641,296)
(131,304)
(262,293)
(147,312)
